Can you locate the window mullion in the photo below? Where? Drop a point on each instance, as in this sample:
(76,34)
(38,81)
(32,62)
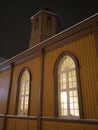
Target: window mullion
(68,101)
(24,96)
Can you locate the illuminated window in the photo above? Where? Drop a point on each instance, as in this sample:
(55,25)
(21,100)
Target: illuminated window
(67,88)
(24,93)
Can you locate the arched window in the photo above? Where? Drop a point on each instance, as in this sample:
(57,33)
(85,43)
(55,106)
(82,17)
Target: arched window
(36,25)
(49,22)
(24,87)
(67,87)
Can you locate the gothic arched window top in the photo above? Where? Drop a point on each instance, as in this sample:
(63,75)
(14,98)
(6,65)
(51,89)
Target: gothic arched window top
(67,63)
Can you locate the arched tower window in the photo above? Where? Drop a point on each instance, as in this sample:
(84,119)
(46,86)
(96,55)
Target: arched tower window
(24,87)
(36,24)
(49,22)
(67,86)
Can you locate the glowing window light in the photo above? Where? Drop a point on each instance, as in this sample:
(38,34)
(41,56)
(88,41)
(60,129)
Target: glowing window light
(24,93)
(67,88)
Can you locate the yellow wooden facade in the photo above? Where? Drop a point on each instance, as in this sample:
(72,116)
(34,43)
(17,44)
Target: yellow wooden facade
(81,41)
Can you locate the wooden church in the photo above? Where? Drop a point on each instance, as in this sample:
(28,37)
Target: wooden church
(53,85)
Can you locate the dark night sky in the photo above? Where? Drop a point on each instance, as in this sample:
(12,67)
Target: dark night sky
(15,20)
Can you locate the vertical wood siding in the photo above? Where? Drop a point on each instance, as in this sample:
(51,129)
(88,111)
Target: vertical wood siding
(4,86)
(21,124)
(1,123)
(34,67)
(67,126)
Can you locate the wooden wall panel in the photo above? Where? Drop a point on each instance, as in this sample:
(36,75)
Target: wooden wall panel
(85,51)
(4,86)
(21,124)
(35,84)
(48,92)
(34,67)
(1,123)
(67,126)
(61,126)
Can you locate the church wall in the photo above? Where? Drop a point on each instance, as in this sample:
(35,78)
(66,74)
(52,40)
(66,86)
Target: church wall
(57,125)
(85,51)
(35,39)
(1,123)
(42,109)
(36,28)
(21,124)
(34,67)
(53,24)
(4,88)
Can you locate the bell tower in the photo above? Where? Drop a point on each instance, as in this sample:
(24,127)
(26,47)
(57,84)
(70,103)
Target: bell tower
(44,25)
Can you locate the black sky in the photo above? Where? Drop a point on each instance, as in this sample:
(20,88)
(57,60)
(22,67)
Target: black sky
(15,20)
